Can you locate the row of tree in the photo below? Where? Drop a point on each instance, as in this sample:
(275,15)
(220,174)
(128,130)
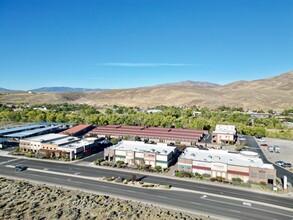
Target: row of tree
(169,117)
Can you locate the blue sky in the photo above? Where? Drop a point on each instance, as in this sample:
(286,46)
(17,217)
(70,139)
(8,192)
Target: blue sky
(133,43)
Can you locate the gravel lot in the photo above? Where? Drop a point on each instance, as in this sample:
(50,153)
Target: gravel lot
(286,153)
(23,200)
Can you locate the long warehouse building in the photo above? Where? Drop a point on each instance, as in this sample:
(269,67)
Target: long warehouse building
(163,135)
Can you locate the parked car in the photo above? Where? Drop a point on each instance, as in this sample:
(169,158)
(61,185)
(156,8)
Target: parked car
(286,165)
(277,149)
(264,145)
(271,149)
(20,168)
(279,163)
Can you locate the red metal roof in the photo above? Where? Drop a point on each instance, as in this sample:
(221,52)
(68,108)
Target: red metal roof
(76,129)
(167,133)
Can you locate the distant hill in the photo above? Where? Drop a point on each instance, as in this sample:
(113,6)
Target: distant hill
(274,93)
(197,84)
(63,89)
(4,90)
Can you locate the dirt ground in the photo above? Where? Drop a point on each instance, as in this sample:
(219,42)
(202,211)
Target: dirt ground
(23,200)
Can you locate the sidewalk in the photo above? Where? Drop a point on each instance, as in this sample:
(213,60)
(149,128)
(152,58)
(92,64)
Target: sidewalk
(168,176)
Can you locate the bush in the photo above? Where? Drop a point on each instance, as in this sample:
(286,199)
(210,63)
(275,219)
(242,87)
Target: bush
(198,176)
(105,163)
(183,174)
(158,168)
(206,175)
(213,179)
(120,162)
(99,161)
(263,183)
(148,185)
(237,180)
(30,154)
(167,186)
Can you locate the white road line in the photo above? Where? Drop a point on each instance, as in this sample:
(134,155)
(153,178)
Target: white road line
(164,197)
(196,203)
(232,210)
(259,209)
(131,191)
(8,161)
(247,204)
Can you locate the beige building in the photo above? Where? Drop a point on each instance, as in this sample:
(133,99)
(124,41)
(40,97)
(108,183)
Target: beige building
(245,165)
(224,134)
(136,152)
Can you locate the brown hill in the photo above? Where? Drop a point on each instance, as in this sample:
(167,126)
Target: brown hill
(197,84)
(271,93)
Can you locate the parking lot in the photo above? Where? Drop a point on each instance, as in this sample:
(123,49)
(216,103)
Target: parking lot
(286,150)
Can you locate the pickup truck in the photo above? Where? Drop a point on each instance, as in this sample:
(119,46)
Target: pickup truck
(271,149)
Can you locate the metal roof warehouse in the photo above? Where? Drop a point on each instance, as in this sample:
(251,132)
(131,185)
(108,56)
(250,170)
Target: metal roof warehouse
(150,132)
(33,132)
(19,129)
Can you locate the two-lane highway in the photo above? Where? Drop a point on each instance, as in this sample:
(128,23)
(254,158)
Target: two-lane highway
(97,172)
(208,205)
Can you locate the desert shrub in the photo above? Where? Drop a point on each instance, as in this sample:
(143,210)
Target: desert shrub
(237,180)
(167,186)
(105,163)
(263,183)
(148,185)
(158,168)
(206,175)
(220,179)
(30,154)
(183,174)
(213,179)
(198,176)
(120,162)
(99,161)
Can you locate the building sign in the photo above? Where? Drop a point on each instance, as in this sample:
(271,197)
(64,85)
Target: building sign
(219,167)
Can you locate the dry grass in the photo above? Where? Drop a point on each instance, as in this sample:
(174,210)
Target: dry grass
(23,200)
(273,93)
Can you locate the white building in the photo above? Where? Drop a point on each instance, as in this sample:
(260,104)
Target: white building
(245,165)
(135,152)
(224,133)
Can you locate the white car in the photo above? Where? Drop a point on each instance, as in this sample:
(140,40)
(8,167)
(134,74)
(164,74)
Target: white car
(261,140)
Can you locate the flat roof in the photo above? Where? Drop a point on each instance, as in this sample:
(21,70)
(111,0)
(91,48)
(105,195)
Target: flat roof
(3,140)
(244,158)
(46,137)
(65,140)
(76,129)
(167,133)
(139,146)
(31,132)
(21,128)
(77,144)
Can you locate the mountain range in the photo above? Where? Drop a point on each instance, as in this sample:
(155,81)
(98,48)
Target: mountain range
(270,93)
(56,89)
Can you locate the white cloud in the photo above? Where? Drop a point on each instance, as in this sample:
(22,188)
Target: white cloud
(143,64)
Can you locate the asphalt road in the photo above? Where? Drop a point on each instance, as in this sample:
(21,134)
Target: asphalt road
(281,172)
(92,158)
(180,200)
(98,172)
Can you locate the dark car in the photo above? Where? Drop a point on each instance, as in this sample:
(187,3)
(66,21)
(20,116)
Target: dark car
(20,168)
(286,165)
(279,163)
